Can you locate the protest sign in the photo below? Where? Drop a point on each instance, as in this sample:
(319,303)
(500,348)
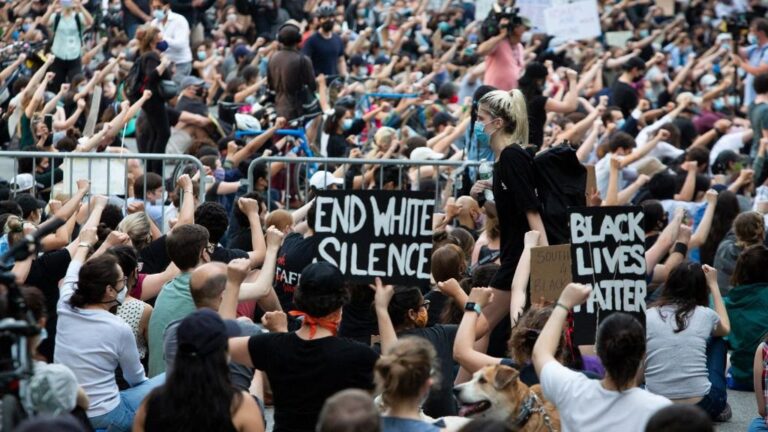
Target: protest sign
(667,6)
(591,179)
(107,175)
(573,21)
(617,38)
(376,233)
(534,11)
(608,255)
(550,272)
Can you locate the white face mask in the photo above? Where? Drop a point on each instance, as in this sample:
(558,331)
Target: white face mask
(120,299)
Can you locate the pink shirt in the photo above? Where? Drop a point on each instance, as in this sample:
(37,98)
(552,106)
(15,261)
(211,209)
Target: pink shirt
(503,65)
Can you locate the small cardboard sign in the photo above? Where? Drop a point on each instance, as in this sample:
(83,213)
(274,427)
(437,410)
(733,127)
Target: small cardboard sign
(667,6)
(591,179)
(550,272)
(617,38)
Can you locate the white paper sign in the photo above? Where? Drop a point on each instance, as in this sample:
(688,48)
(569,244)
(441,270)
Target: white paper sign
(573,21)
(107,176)
(534,11)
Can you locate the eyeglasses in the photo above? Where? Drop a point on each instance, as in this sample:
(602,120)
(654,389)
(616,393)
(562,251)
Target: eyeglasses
(425,305)
(125,283)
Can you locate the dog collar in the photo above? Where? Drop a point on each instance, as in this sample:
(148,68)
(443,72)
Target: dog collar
(531,405)
(526,410)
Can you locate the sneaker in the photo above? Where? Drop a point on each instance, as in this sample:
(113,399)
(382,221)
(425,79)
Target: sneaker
(725,415)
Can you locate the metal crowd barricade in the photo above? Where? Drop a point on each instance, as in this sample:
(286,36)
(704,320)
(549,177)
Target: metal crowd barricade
(170,170)
(299,176)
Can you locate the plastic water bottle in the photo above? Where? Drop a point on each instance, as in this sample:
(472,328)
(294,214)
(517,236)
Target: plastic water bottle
(485,172)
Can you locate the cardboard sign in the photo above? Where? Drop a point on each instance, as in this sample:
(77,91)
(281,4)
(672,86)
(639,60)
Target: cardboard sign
(107,176)
(667,6)
(608,255)
(550,272)
(369,234)
(573,21)
(591,179)
(617,38)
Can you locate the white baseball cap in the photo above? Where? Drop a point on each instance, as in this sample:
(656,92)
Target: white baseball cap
(322,179)
(23,182)
(425,153)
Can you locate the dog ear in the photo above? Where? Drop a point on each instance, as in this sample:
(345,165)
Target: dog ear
(504,376)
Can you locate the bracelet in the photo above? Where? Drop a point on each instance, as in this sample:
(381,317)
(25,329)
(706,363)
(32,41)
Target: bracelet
(85,245)
(680,248)
(567,309)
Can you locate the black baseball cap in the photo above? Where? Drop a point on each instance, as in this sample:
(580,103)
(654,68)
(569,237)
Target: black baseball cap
(321,276)
(204,332)
(28,204)
(725,158)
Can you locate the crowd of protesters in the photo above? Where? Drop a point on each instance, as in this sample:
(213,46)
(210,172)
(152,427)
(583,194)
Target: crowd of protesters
(167,308)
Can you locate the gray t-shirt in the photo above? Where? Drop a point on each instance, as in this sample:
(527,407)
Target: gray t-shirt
(676,363)
(240,375)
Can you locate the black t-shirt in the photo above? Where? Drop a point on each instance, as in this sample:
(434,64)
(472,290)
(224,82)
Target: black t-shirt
(225,255)
(295,254)
(514,191)
(304,373)
(45,273)
(358,319)
(624,96)
(537,116)
(192,106)
(440,402)
(154,258)
(324,53)
(241,239)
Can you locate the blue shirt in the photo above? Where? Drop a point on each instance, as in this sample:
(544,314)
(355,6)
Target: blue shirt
(324,53)
(756,55)
(396,424)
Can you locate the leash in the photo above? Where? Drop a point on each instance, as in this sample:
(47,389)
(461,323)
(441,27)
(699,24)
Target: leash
(532,405)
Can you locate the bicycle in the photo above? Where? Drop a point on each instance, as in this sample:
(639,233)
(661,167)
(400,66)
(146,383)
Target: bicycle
(295,175)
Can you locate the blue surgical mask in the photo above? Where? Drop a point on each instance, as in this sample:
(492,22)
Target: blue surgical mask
(159,14)
(718,104)
(219,174)
(25,27)
(250,100)
(347,124)
(472,38)
(752,39)
(482,138)
(706,20)
(444,27)
(620,123)
(644,33)
(162,46)
(201,55)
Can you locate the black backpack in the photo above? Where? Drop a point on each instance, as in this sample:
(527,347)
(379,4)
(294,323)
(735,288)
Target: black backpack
(135,81)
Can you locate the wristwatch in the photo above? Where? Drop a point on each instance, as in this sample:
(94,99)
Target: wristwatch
(472,307)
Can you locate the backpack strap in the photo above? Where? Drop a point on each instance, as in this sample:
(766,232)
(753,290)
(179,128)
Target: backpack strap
(57,19)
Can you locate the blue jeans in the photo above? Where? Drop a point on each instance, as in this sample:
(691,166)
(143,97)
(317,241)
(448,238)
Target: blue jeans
(715,401)
(120,419)
(758,425)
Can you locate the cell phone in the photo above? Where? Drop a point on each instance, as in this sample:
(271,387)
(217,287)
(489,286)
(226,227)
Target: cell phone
(48,120)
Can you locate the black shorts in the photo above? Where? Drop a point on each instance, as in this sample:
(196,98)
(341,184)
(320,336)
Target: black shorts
(502,280)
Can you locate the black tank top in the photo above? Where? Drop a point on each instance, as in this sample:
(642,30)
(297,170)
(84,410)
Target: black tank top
(157,419)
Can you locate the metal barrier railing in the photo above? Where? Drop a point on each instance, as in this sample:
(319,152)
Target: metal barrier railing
(297,173)
(105,178)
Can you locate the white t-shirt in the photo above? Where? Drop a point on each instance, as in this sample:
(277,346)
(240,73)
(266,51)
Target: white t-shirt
(93,343)
(585,406)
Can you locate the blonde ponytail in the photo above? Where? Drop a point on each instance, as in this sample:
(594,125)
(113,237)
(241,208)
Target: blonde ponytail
(511,108)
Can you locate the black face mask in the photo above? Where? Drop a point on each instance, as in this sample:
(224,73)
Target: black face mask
(327,25)
(201,92)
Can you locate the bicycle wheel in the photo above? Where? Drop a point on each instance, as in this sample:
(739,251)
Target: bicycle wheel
(12,413)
